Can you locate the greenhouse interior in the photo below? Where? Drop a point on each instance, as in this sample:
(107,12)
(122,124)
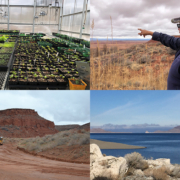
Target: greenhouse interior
(45,44)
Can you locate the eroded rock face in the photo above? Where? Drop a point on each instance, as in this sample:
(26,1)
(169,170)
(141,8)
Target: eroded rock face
(158,162)
(24,123)
(105,166)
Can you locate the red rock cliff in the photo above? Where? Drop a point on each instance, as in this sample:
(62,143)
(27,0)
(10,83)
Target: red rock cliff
(27,120)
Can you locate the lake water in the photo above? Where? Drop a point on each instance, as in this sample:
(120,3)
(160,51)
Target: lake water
(158,145)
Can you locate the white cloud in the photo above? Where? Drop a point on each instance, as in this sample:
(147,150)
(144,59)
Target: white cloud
(62,107)
(128,16)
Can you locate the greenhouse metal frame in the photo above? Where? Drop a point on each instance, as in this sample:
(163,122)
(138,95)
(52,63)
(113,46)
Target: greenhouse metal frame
(72,17)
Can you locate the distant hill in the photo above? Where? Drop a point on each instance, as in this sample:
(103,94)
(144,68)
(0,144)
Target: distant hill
(85,126)
(174,130)
(66,127)
(72,126)
(99,130)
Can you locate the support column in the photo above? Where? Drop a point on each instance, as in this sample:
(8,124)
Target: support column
(8,15)
(84,6)
(61,16)
(34,14)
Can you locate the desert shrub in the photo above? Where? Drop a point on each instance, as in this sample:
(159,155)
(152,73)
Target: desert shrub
(129,83)
(105,48)
(144,59)
(33,147)
(148,69)
(163,58)
(160,50)
(136,161)
(136,67)
(142,46)
(136,84)
(171,51)
(127,62)
(52,141)
(5,129)
(155,51)
(159,43)
(129,50)
(79,139)
(157,66)
(134,52)
(129,172)
(160,173)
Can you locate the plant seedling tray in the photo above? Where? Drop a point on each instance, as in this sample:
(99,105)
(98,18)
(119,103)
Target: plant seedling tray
(4,67)
(62,87)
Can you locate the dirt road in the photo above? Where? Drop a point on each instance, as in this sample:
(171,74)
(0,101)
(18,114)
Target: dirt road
(17,165)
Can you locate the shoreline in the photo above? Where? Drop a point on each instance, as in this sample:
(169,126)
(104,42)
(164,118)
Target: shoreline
(113,145)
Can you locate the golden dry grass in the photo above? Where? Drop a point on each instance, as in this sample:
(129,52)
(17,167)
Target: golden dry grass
(140,67)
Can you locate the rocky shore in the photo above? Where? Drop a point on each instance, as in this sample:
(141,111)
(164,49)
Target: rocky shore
(131,167)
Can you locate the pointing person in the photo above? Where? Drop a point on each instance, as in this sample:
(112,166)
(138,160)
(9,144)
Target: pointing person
(173,81)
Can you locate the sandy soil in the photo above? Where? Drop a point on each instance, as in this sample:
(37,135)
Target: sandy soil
(112,145)
(17,165)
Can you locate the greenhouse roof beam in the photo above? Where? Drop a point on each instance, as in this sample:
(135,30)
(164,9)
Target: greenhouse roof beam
(28,6)
(28,24)
(80,12)
(75,32)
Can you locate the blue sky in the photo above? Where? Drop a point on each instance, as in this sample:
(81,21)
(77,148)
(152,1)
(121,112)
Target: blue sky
(135,107)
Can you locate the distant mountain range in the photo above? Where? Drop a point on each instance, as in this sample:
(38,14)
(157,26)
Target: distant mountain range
(98,130)
(174,130)
(135,128)
(116,39)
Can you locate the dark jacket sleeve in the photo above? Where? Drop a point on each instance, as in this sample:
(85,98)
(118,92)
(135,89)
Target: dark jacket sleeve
(169,41)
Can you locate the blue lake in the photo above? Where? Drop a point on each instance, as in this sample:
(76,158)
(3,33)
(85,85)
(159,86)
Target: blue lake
(158,145)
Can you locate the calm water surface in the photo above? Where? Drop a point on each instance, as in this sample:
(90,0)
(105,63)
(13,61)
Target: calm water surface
(158,145)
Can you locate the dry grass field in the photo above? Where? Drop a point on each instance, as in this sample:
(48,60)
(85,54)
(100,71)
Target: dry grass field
(130,66)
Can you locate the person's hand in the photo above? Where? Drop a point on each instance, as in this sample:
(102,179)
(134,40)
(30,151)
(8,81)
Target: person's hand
(145,33)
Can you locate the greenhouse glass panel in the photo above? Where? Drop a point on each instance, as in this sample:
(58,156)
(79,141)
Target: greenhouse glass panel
(76,23)
(22,28)
(66,23)
(20,2)
(21,15)
(46,29)
(51,17)
(3,26)
(79,5)
(88,4)
(86,37)
(68,7)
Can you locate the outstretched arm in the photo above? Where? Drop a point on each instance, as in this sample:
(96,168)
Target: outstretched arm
(169,41)
(145,32)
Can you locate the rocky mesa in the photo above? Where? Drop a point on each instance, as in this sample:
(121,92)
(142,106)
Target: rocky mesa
(24,123)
